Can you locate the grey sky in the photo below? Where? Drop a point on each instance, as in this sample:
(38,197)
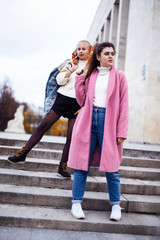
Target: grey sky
(37,35)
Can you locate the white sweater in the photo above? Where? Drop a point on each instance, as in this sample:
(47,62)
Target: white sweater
(67,85)
(100,94)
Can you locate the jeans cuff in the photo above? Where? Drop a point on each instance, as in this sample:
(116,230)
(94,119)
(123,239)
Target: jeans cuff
(76,201)
(115,203)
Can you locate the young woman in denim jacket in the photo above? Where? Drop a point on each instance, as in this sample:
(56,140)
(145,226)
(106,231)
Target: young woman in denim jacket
(65,105)
(100,128)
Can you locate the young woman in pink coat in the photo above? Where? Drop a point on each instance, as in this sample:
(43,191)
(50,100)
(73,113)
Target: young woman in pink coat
(101,126)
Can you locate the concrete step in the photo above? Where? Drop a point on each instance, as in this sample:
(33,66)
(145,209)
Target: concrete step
(35,153)
(50,142)
(147,153)
(140,173)
(56,154)
(42,144)
(19,140)
(96,221)
(98,184)
(57,198)
(52,166)
(143,203)
(140,162)
(60,198)
(47,234)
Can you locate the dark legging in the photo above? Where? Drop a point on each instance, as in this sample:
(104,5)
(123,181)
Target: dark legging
(46,123)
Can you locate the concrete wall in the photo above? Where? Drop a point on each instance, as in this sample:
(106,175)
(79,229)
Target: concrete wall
(141,68)
(134,27)
(152,117)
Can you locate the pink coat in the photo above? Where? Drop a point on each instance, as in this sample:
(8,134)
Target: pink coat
(116,123)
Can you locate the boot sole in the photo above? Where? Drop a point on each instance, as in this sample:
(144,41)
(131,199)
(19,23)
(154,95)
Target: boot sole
(66,178)
(20,162)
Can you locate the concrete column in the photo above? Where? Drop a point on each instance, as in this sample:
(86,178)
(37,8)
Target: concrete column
(106,29)
(97,39)
(114,24)
(122,33)
(102,34)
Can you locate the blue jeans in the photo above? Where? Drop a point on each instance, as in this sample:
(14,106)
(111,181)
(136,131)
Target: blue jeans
(80,177)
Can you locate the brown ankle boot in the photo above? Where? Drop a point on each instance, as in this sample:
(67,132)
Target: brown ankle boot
(20,156)
(62,171)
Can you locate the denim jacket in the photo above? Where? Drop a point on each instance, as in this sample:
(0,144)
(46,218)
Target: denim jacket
(52,86)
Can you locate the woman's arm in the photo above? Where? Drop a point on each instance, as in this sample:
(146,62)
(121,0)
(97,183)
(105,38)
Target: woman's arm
(63,77)
(81,89)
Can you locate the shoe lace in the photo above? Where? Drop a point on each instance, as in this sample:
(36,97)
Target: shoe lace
(64,165)
(20,152)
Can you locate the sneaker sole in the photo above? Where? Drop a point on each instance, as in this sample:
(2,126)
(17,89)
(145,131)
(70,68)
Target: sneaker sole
(67,178)
(116,220)
(82,217)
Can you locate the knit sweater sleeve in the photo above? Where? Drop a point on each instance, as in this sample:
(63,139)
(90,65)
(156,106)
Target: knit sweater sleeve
(61,80)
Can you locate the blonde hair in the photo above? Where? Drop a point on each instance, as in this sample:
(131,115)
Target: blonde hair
(89,45)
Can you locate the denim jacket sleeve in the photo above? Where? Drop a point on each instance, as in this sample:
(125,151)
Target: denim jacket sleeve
(52,86)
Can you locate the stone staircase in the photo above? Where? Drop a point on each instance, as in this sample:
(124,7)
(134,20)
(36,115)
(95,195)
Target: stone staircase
(32,195)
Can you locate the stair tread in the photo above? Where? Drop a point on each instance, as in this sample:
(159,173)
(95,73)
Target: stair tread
(52,150)
(139,169)
(42,233)
(56,162)
(8,188)
(141,158)
(8,210)
(35,160)
(96,179)
(95,221)
(34,149)
(25,137)
(50,192)
(60,139)
(96,217)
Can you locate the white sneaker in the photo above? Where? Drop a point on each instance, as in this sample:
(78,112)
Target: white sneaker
(116,213)
(77,211)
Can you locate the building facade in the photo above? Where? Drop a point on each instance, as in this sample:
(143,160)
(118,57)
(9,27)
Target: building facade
(134,27)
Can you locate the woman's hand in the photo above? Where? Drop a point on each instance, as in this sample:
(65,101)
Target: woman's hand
(76,113)
(120,140)
(73,67)
(70,70)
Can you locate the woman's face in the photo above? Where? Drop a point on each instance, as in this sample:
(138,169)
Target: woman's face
(106,57)
(83,51)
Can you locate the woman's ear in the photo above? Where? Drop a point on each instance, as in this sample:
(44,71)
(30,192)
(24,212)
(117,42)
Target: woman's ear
(98,57)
